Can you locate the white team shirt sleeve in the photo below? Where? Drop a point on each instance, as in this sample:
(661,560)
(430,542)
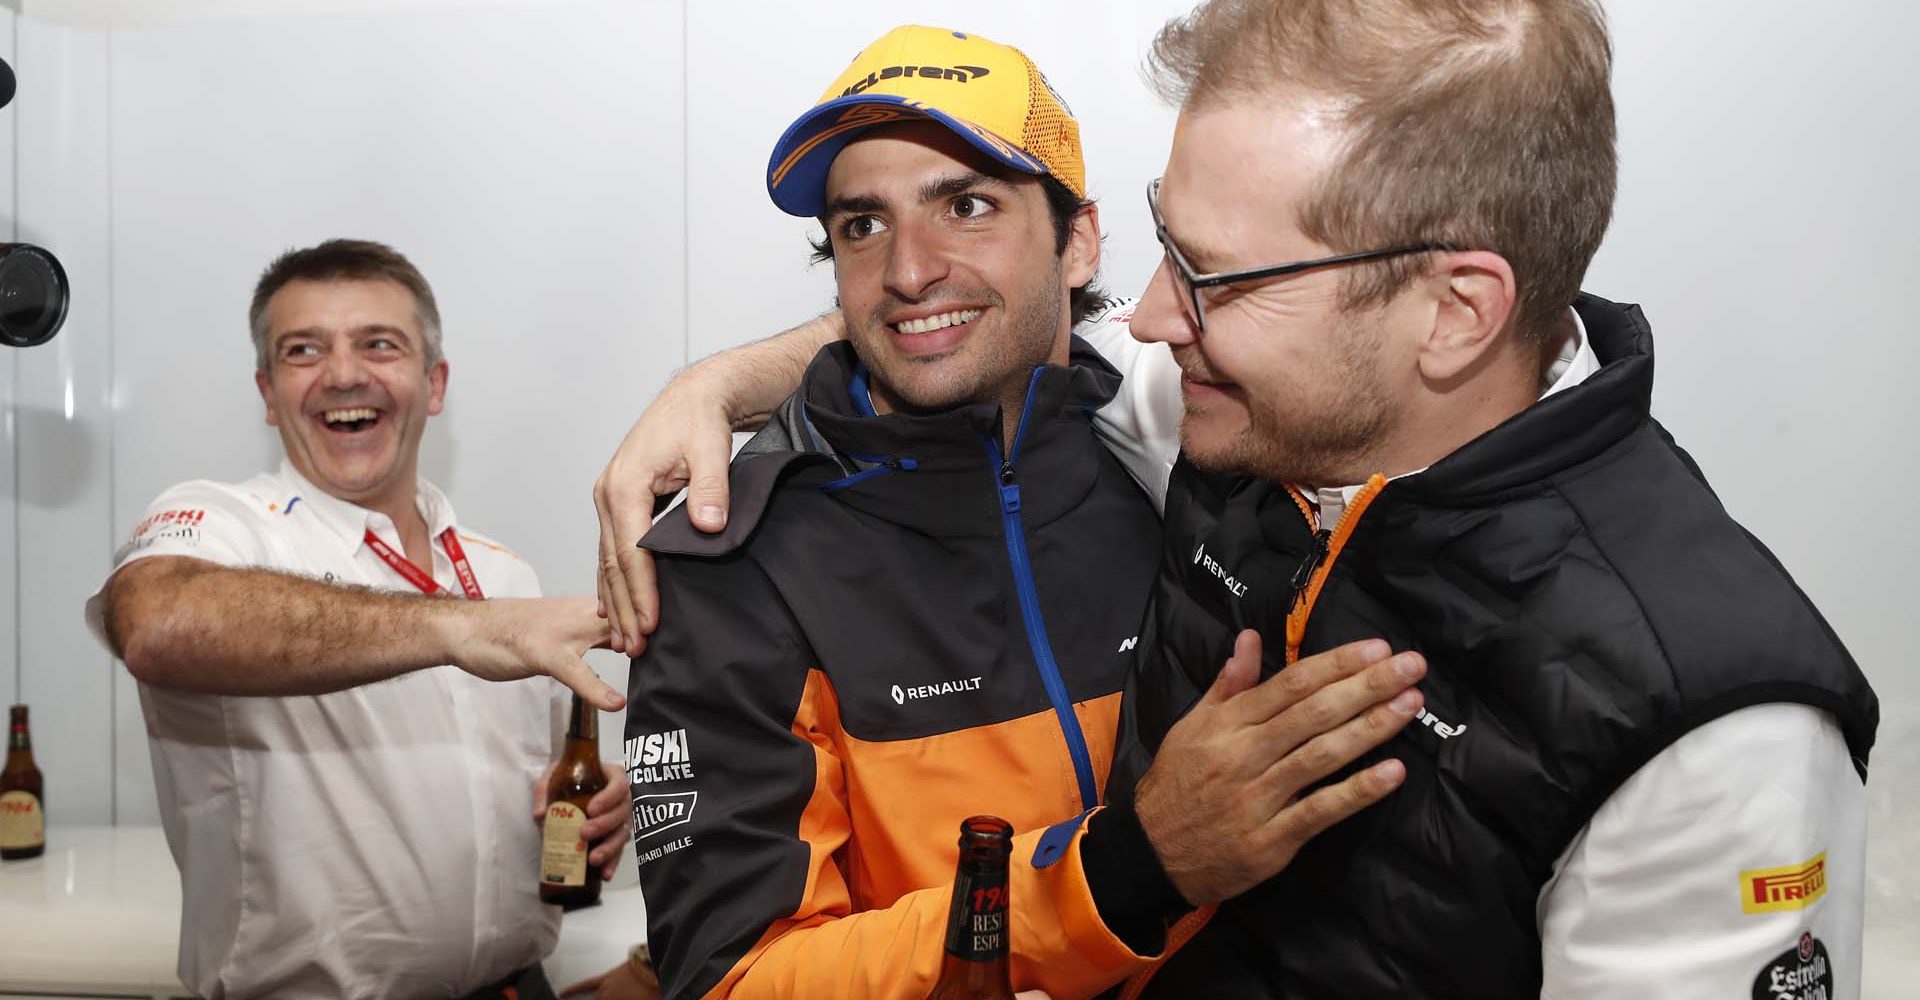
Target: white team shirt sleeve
(1759,810)
(1141,426)
(200,519)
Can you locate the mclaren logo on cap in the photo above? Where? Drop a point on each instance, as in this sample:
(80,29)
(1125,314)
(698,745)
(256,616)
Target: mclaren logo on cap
(958,74)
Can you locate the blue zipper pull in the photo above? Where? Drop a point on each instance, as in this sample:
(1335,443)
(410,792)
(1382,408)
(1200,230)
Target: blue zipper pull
(1009,489)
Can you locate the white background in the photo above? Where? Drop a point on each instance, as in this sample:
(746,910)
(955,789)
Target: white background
(583,184)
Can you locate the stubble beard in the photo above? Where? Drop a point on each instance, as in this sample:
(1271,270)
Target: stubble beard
(983,372)
(1321,434)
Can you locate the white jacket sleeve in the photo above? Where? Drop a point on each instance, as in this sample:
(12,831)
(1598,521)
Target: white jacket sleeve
(1732,865)
(1142,424)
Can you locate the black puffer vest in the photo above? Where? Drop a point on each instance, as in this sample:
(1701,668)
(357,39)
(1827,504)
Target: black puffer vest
(1582,600)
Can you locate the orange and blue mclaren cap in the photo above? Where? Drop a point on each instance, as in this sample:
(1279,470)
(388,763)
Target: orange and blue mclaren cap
(992,95)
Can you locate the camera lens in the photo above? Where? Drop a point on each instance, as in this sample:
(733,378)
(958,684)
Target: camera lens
(33,295)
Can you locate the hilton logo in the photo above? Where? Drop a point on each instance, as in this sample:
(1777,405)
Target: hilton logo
(656,813)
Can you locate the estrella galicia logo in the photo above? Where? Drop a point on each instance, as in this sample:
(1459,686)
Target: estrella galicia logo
(1799,973)
(958,74)
(656,813)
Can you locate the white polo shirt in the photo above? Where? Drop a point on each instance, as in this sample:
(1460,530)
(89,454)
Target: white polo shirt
(1648,901)
(376,842)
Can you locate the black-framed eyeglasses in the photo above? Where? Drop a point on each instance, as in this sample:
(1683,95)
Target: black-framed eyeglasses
(1191,281)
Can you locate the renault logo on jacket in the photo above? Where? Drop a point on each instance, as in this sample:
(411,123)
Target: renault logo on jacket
(903,695)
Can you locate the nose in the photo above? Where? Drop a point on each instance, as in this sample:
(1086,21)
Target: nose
(917,260)
(344,370)
(1159,317)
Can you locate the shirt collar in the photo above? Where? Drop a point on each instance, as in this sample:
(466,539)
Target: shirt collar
(350,521)
(1575,364)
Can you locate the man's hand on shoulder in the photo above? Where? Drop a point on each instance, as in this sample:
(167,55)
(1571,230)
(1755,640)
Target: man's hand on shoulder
(1225,803)
(682,441)
(510,639)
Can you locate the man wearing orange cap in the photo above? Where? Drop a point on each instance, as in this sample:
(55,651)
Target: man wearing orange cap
(925,602)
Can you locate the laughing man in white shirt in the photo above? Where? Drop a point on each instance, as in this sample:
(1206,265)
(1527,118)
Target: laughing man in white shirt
(351,818)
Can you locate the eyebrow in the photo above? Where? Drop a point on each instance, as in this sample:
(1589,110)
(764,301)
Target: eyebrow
(1202,258)
(936,189)
(369,330)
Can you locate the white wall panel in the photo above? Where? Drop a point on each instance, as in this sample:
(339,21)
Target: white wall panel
(9,561)
(1766,222)
(65,444)
(753,67)
(527,160)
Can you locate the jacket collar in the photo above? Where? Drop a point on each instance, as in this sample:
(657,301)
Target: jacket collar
(942,473)
(935,473)
(1563,430)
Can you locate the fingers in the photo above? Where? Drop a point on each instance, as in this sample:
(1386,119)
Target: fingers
(581,680)
(609,803)
(1382,694)
(1312,815)
(635,593)
(1241,671)
(707,499)
(1310,675)
(540,792)
(1323,755)
(605,855)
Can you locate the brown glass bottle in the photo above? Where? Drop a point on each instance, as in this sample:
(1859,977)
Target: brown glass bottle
(23,822)
(975,964)
(565,876)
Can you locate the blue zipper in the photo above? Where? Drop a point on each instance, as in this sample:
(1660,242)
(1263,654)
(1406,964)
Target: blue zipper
(1016,534)
(886,466)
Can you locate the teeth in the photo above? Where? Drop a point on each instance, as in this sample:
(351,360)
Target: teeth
(347,416)
(940,322)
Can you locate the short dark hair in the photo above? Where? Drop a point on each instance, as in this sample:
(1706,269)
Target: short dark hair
(1062,205)
(345,260)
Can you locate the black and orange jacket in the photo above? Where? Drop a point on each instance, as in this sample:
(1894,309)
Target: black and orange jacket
(900,627)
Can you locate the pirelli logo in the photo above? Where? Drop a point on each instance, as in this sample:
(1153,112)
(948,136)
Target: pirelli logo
(1795,887)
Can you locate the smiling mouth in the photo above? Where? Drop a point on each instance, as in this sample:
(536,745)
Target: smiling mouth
(350,420)
(930,324)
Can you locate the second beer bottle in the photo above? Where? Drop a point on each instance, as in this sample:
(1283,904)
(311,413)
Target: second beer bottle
(566,878)
(975,964)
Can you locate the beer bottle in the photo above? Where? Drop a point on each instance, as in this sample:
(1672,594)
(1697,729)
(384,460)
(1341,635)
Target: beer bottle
(975,964)
(23,823)
(565,876)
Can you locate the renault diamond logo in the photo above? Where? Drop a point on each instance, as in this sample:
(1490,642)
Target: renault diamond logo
(899,696)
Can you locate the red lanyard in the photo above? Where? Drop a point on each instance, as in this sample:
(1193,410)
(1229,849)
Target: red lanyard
(418,577)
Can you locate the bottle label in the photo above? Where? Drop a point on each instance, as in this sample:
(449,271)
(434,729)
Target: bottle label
(563,852)
(21,822)
(977,920)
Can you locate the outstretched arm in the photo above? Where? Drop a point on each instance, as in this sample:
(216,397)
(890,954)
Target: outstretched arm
(195,625)
(681,442)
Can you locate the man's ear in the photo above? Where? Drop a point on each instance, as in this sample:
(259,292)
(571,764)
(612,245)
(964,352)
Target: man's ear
(436,388)
(265,385)
(1473,296)
(1082,256)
